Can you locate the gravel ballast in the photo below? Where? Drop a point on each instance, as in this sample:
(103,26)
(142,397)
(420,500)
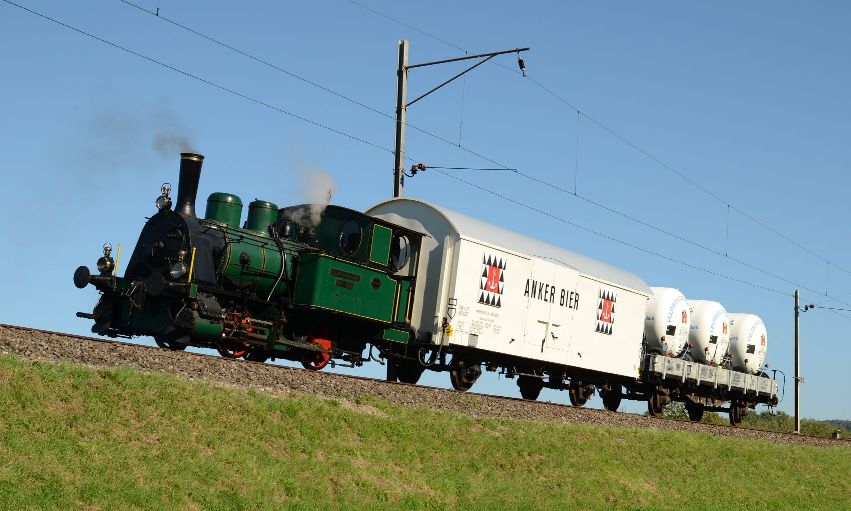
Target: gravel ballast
(51,346)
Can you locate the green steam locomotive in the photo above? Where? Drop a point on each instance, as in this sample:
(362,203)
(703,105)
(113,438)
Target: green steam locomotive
(307,283)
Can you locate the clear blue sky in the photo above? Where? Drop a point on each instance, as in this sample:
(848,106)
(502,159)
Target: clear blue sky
(749,100)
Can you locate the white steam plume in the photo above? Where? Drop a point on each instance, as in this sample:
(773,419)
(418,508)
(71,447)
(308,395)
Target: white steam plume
(317,187)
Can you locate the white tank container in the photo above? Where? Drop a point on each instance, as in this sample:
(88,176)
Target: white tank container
(748,342)
(666,321)
(709,334)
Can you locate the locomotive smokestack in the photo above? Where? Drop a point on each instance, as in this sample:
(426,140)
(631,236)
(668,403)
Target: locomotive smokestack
(187,188)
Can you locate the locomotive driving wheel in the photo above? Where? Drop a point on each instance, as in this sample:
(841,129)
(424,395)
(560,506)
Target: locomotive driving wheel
(232,349)
(317,360)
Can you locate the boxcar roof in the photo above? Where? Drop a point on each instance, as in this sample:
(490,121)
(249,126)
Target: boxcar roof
(469,227)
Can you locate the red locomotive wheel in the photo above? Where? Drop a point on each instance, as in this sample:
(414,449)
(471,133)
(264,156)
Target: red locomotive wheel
(317,360)
(232,350)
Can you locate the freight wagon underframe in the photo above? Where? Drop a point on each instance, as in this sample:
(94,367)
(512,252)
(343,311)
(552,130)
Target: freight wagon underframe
(662,379)
(701,387)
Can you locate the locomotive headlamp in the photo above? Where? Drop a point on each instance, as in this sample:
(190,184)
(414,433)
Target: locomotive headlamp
(178,270)
(164,201)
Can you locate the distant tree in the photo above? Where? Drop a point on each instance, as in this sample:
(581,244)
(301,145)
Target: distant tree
(772,420)
(769,420)
(842,424)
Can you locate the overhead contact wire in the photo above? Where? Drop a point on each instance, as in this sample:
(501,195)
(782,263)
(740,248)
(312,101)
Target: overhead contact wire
(625,141)
(315,84)
(385,149)
(609,237)
(203,80)
(258,59)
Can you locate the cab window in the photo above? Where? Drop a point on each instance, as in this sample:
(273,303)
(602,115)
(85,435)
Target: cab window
(400,252)
(350,238)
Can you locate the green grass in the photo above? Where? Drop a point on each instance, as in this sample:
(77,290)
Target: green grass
(77,438)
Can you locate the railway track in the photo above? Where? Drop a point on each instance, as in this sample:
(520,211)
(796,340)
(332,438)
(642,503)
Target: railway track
(47,345)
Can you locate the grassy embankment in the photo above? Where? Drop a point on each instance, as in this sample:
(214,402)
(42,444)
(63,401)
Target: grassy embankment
(76,438)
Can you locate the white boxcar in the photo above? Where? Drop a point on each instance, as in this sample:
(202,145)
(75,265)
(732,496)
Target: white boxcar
(748,342)
(485,287)
(666,324)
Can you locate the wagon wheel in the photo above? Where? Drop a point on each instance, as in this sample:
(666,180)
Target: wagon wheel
(408,371)
(654,404)
(316,360)
(463,378)
(232,349)
(694,410)
(530,387)
(738,411)
(257,354)
(611,399)
(392,370)
(169,345)
(578,395)
(735,418)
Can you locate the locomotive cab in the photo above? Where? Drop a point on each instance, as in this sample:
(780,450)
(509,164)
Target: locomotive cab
(348,234)
(357,266)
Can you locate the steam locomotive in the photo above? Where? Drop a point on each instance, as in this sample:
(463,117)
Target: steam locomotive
(417,286)
(279,286)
